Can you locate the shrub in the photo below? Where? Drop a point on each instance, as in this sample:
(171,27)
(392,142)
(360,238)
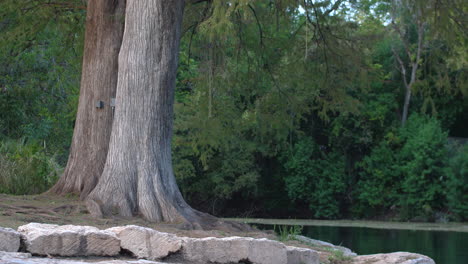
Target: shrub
(422,162)
(316,177)
(378,187)
(25,168)
(457,184)
(406,171)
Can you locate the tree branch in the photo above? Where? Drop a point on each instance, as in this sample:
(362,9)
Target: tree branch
(402,67)
(418,52)
(194,2)
(402,38)
(333,8)
(258,24)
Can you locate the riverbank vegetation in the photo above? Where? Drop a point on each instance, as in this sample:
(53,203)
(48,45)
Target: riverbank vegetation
(292,114)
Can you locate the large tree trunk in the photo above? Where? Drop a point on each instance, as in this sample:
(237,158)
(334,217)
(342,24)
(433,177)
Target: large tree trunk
(103,38)
(138,178)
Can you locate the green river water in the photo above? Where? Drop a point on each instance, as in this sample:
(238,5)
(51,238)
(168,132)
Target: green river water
(445,247)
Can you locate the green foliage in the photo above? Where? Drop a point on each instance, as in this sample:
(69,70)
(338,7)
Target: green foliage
(260,74)
(378,186)
(422,158)
(39,80)
(26,168)
(457,184)
(286,232)
(273,106)
(406,170)
(337,256)
(316,177)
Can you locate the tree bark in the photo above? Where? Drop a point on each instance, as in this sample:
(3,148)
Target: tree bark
(406,104)
(414,59)
(414,70)
(138,178)
(103,38)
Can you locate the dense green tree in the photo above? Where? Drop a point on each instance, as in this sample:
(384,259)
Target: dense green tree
(316,177)
(457,184)
(40,73)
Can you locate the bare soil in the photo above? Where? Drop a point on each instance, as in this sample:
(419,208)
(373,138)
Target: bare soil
(69,210)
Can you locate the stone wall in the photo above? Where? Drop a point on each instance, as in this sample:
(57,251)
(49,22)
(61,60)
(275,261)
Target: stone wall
(146,243)
(117,244)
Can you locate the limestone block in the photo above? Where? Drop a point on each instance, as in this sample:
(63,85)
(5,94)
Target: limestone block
(265,251)
(233,250)
(69,240)
(346,251)
(393,258)
(7,255)
(298,255)
(146,242)
(220,250)
(9,240)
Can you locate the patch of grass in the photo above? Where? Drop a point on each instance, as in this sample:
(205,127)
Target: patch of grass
(285,232)
(334,256)
(337,257)
(25,168)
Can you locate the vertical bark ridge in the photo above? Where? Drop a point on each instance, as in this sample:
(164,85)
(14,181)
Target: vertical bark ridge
(103,37)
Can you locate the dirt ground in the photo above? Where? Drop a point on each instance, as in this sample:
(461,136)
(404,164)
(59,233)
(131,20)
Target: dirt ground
(65,210)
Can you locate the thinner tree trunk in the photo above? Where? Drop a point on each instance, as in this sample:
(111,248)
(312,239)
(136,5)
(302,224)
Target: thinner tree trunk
(406,104)
(138,178)
(103,38)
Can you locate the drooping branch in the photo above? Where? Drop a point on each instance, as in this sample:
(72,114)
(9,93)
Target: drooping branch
(194,29)
(260,30)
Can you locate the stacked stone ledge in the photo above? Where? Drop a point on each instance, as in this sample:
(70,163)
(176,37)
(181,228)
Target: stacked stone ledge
(146,243)
(149,244)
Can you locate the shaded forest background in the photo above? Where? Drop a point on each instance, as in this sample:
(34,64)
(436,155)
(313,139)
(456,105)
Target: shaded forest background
(280,112)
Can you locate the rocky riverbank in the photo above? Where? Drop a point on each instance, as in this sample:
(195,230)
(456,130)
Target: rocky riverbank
(70,244)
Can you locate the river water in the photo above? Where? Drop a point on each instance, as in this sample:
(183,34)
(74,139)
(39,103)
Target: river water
(442,246)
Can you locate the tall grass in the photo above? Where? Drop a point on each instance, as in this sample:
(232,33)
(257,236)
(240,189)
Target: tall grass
(285,232)
(26,168)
